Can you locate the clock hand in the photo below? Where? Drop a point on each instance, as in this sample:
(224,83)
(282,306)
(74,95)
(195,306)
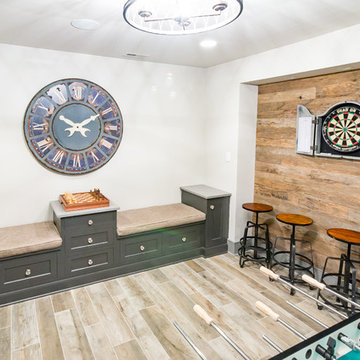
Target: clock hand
(83,130)
(71,131)
(67,121)
(86,121)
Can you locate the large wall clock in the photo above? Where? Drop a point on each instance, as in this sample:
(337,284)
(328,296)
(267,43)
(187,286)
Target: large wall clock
(73,126)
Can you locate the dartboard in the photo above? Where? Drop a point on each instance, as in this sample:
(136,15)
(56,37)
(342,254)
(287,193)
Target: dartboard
(341,127)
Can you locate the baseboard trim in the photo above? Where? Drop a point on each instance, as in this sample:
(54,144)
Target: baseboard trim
(233,247)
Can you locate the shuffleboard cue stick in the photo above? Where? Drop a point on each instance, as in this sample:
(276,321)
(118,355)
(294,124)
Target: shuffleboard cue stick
(275,277)
(276,317)
(307,314)
(204,315)
(311,281)
(182,332)
(270,342)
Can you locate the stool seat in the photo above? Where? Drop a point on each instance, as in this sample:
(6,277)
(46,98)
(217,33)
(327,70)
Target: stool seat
(257,207)
(345,235)
(294,219)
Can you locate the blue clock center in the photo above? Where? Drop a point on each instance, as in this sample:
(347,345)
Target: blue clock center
(76,127)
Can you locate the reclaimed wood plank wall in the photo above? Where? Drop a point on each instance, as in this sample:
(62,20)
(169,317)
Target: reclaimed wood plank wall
(327,190)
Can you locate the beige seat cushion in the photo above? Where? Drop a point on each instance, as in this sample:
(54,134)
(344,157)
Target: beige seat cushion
(16,240)
(156,217)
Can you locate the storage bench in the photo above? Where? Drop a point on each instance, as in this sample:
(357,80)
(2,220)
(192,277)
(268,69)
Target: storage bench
(86,246)
(28,255)
(174,231)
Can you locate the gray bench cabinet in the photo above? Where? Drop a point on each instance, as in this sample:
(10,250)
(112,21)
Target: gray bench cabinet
(92,251)
(215,204)
(88,239)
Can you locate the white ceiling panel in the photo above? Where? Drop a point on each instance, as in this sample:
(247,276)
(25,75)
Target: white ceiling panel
(263,25)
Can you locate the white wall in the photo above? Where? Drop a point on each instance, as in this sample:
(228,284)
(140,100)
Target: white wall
(232,107)
(163,140)
(198,127)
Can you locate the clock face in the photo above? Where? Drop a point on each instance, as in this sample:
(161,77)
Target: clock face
(73,126)
(341,127)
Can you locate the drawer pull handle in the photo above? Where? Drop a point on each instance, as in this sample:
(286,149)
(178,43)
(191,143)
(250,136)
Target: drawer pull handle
(90,262)
(183,239)
(212,207)
(90,222)
(27,272)
(90,240)
(142,247)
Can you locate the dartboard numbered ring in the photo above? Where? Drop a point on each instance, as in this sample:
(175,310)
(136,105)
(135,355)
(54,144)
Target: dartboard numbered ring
(341,127)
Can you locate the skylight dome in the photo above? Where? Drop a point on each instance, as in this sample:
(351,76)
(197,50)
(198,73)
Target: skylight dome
(179,17)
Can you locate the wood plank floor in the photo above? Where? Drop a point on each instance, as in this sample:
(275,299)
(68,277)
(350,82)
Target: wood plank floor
(132,317)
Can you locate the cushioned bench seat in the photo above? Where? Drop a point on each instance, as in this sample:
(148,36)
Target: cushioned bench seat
(16,240)
(156,217)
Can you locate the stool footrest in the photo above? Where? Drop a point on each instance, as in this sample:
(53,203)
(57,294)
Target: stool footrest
(265,245)
(345,283)
(297,266)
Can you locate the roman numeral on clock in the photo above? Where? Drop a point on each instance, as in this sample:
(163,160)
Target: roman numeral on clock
(58,156)
(94,157)
(45,144)
(106,143)
(76,161)
(104,112)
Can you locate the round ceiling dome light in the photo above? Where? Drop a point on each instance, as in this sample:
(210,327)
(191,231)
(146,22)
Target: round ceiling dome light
(179,17)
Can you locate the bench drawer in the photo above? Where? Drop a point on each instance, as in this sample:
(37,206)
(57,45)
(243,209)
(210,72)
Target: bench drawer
(91,240)
(28,271)
(143,247)
(181,239)
(89,222)
(92,261)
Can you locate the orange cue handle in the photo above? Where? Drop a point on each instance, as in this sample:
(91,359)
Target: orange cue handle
(203,314)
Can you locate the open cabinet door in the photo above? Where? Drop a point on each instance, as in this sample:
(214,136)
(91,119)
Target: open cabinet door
(305,131)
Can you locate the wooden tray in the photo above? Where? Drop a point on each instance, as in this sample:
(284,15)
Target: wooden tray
(85,200)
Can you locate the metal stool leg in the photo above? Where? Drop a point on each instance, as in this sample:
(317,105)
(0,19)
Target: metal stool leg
(321,280)
(243,248)
(292,259)
(256,235)
(353,286)
(347,270)
(268,247)
(341,266)
(312,259)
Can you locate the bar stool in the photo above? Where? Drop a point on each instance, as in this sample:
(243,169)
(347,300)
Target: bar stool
(294,258)
(346,281)
(255,246)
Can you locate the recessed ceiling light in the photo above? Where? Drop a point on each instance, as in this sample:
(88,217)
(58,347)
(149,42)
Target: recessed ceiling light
(85,24)
(208,43)
(178,17)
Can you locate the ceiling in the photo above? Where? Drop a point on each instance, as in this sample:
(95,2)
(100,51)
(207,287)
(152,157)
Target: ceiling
(263,25)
